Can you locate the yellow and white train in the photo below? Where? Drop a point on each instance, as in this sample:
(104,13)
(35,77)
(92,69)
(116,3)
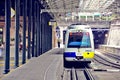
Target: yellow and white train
(79,44)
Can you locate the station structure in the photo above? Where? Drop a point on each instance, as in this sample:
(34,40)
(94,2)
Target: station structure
(37,25)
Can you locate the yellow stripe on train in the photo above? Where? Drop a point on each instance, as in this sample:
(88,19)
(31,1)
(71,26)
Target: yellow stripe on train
(88,55)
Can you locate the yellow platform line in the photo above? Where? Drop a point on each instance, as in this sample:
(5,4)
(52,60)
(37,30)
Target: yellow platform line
(11,62)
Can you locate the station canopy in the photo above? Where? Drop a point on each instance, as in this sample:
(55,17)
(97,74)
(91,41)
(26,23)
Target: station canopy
(66,9)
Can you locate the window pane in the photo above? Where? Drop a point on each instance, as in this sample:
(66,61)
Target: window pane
(79,40)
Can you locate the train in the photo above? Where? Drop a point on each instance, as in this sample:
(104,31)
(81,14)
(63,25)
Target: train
(79,44)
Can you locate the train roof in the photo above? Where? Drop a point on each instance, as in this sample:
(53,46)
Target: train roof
(79,26)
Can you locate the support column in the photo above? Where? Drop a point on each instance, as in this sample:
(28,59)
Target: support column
(24,31)
(40,33)
(42,30)
(38,29)
(36,25)
(17,25)
(7,27)
(51,37)
(45,26)
(33,30)
(44,33)
(29,29)
(47,36)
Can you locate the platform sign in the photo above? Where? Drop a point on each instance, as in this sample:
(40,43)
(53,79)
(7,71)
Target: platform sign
(52,23)
(12,12)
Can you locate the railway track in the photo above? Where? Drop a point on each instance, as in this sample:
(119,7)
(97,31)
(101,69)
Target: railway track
(78,74)
(87,73)
(106,62)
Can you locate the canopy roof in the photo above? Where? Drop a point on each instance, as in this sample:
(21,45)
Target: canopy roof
(62,8)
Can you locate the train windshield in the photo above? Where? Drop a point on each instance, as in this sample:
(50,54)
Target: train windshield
(79,40)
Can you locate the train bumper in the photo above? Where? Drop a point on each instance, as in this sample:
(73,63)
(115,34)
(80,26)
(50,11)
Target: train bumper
(71,56)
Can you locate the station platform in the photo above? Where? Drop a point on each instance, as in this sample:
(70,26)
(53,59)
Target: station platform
(110,49)
(43,67)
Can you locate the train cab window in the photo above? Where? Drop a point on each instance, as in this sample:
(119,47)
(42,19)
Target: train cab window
(79,40)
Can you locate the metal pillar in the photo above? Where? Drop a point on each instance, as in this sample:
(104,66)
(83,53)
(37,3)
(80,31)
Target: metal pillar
(17,25)
(48,30)
(29,29)
(33,30)
(48,37)
(36,25)
(51,37)
(40,33)
(24,31)
(43,35)
(7,44)
(38,29)
(45,31)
